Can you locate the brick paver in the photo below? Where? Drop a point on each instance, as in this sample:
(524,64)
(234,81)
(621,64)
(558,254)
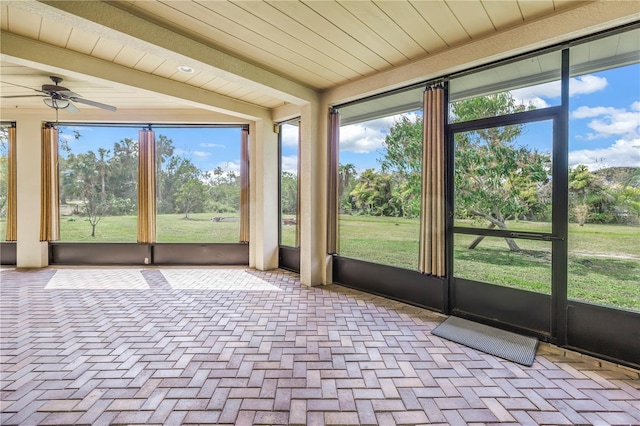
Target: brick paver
(238,346)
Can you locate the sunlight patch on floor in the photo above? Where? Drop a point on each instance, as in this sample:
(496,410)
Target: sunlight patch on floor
(98,279)
(216,279)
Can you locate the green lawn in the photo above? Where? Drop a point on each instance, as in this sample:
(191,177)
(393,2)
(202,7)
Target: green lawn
(603,268)
(199,228)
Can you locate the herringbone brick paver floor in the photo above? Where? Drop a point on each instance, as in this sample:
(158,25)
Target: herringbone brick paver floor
(236,346)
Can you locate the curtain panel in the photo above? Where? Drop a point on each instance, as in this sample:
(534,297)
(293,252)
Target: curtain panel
(298,189)
(49,200)
(146,186)
(332,183)
(244,186)
(12,190)
(432,224)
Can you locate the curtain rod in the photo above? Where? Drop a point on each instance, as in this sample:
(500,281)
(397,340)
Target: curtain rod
(150,125)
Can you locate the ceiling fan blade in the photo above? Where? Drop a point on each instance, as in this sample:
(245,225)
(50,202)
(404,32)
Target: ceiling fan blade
(20,85)
(72,108)
(68,94)
(24,96)
(93,103)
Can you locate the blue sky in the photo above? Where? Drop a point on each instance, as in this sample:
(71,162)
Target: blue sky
(604,122)
(604,129)
(207,148)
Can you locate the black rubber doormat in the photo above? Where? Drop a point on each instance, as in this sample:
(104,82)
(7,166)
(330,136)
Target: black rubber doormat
(491,340)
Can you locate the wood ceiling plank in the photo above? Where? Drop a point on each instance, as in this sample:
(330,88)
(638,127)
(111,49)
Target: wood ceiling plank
(172,13)
(54,33)
(342,18)
(215,85)
(316,44)
(534,8)
(472,16)
(337,36)
(503,13)
(167,69)
(379,22)
(23,23)
(128,56)
(199,79)
(106,49)
(257,31)
(80,41)
(442,20)
(4,17)
(267,101)
(149,63)
(412,22)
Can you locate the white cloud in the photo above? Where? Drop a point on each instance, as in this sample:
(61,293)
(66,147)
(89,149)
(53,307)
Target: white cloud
(228,166)
(586,84)
(289,135)
(623,152)
(608,121)
(211,145)
(290,164)
(577,86)
(366,137)
(182,152)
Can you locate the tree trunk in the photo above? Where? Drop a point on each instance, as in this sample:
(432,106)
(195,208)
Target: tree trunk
(93,230)
(477,241)
(512,245)
(494,222)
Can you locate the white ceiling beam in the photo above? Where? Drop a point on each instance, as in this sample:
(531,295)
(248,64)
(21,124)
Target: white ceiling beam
(31,53)
(111,22)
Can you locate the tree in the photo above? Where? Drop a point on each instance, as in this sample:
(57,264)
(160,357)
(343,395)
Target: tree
(590,199)
(123,177)
(191,192)
(346,180)
(372,193)
(403,158)
(83,181)
(494,176)
(289,193)
(164,151)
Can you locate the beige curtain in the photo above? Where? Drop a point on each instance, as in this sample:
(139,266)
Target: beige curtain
(432,224)
(298,192)
(49,200)
(146,186)
(12,190)
(332,189)
(244,186)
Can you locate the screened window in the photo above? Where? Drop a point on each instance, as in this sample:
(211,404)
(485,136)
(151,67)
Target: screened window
(197,184)
(4,179)
(289,187)
(98,183)
(379,179)
(604,172)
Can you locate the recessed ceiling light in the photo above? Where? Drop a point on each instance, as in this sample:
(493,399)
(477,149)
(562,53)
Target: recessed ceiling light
(185,68)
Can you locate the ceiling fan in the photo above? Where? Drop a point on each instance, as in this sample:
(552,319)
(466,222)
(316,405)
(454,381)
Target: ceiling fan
(59,97)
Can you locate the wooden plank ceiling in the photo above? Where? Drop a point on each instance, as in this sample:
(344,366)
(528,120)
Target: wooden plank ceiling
(318,44)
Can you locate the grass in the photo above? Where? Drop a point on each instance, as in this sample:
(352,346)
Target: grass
(603,268)
(170,228)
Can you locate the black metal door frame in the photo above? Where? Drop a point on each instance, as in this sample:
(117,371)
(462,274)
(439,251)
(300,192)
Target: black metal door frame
(532,313)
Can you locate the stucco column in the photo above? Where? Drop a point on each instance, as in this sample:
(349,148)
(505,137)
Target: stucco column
(263,157)
(30,251)
(313,184)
